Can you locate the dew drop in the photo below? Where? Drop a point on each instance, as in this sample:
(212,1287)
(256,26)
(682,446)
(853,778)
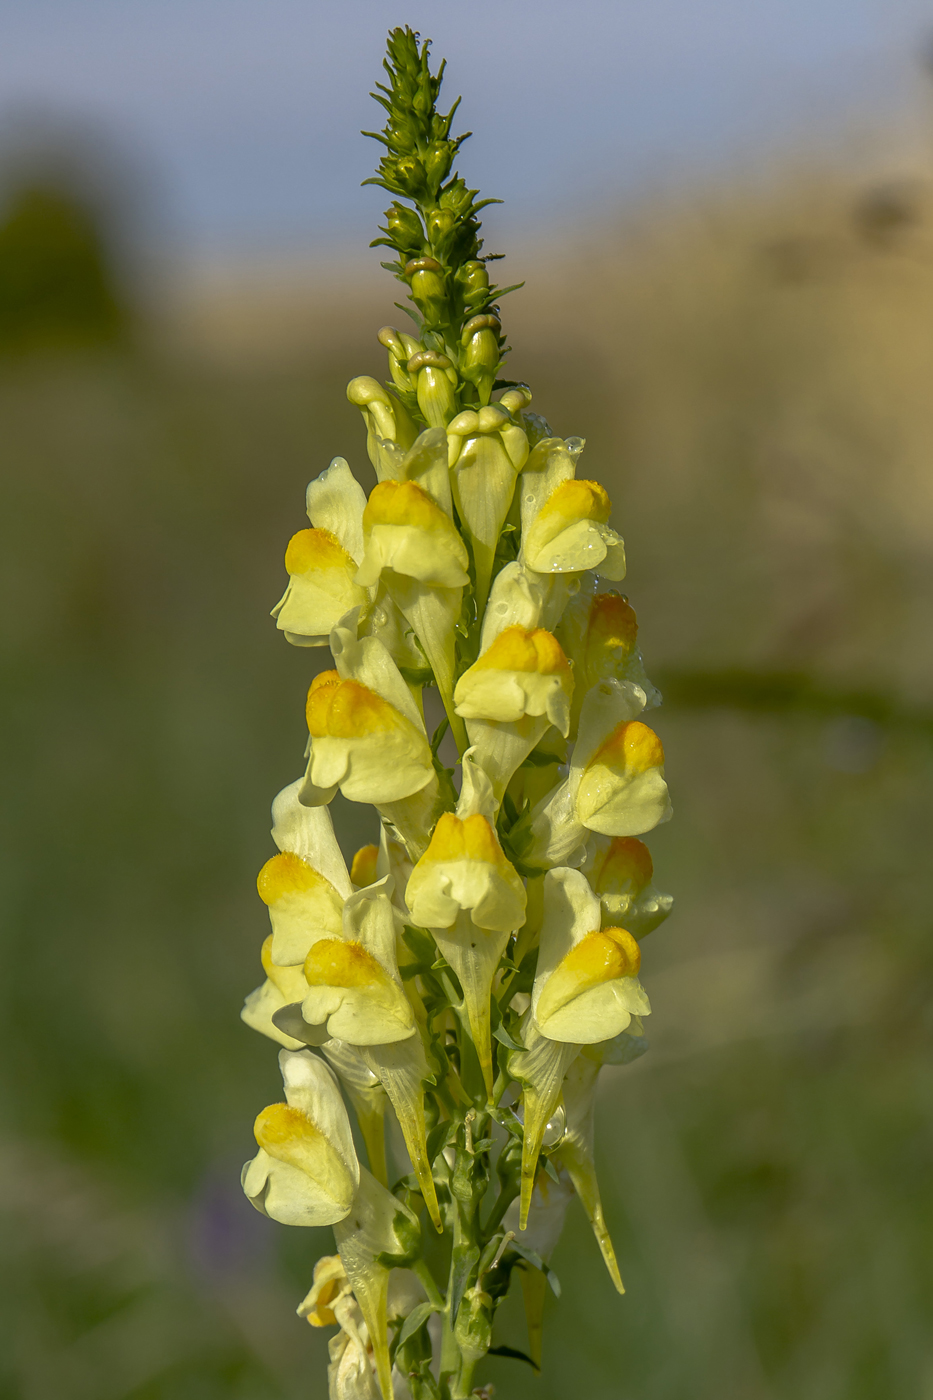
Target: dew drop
(554,1129)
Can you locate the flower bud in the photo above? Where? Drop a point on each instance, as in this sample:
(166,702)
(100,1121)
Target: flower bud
(441,224)
(409,176)
(480,357)
(435,382)
(426,278)
(473,1327)
(400,348)
(387,421)
(404,228)
(486,451)
(474,279)
(437,162)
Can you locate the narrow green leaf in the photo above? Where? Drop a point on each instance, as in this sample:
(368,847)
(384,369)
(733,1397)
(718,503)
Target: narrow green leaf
(503,1037)
(537,1262)
(518,1355)
(464,1262)
(438,1138)
(415,1320)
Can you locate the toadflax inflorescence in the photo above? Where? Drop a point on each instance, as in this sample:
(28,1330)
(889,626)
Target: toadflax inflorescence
(462,984)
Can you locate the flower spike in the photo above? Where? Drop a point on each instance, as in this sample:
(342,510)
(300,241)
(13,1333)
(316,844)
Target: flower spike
(486,704)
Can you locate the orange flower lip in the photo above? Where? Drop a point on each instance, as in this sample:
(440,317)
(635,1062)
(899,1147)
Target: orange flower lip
(404,503)
(626,862)
(612,623)
(363,869)
(280,1127)
(285,874)
(316,549)
(471,839)
(345,709)
(522,649)
(335,963)
(577,500)
(602,956)
(631,746)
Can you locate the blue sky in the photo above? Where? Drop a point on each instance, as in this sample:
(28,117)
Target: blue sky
(246,112)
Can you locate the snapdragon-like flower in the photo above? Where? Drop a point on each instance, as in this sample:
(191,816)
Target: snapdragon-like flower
(488,448)
(586,990)
(615,785)
(461,985)
(512,694)
(306,1172)
(565,521)
(322,562)
(355,989)
(621,870)
(467,892)
(414,548)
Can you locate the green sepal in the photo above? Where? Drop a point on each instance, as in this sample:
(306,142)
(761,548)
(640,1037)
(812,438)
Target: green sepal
(408,1233)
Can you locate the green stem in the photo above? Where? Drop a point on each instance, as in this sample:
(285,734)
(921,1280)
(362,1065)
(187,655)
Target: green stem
(464,1386)
(420,1267)
(504,1199)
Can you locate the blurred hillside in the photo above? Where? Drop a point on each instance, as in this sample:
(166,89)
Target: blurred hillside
(751,372)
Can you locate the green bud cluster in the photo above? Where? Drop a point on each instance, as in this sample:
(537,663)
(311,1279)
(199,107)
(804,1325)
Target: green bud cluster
(437,241)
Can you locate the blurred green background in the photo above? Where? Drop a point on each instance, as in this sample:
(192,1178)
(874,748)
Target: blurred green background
(752,370)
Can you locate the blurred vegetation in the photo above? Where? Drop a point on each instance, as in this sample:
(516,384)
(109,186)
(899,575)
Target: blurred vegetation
(57,289)
(752,374)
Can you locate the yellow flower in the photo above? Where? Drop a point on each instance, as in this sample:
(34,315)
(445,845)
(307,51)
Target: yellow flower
(355,989)
(523,672)
(471,897)
(622,790)
(465,869)
(570,533)
(321,588)
(363,744)
(306,1171)
(330,1284)
(303,906)
(620,871)
(351,990)
(586,988)
(518,688)
(284,986)
(363,869)
(407,531)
